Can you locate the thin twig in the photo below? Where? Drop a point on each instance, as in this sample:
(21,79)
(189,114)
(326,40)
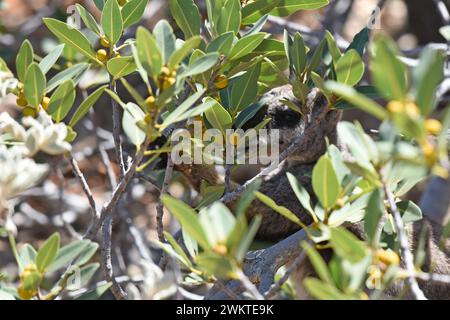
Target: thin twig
(116,131)
(84,185)
(249,286)
(160,206)
(108,166)
(407,256)
(110,205)
(434,277)
(294,266)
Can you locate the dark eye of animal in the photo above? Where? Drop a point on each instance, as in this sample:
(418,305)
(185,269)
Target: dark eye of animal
(284,118)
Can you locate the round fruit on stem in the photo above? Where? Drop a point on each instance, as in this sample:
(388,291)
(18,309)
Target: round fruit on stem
(102,55)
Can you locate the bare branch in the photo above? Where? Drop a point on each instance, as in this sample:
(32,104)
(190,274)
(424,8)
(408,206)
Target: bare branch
(407,256)
(84,185)
(160,206)
(116,289)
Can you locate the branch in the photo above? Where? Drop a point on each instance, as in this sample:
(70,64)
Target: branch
(109,206)
(407,256)
(160,206)
(261,265)
(84,185)
(116,130)
(116,289)
(294,266)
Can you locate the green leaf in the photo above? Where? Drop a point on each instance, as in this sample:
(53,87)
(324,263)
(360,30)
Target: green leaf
(350,68)
(71,37)
(324,291)
(218,223)
(112,21)
(131,116)
(149,52)
(178,249)
(245,89)
(88,19)
(68,253)
(179,55)
(73,72)
(246,45)
(187,16)
(181,112)
(218,117)
(86,105)
(87,272)
(34,85)
(285,212)
(301,193)
(249,236)
(409,211)
(96,293)
(48,252)
(346,245)
(288,7)
(427,75)
(360,41)
(166,39)
(86,254)
(99,4)
(247,114)
(222,44)
(230,17)
(316,59)
(255,10)
(202,64)
(374,212)
(188,219)
(62,101)
(28,254)
(298,54)
(334,50)
(24,59)
(361,101)
(388,72)
(120,67)
(49,60)
(132,12)
(6,295)
(325,182)
(318,263)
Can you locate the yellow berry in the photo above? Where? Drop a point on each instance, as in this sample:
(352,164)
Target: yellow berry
(25,294)
(150,103)
(21,100)
(412,110)
(165,71)
(102,55)
(433,126)
(221,82)
(122,2)
(168,82)
(221,249)
(45,102)
(395,106)
(29,112)
(28,270)
(388,257)
(104,42)
(340,203)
